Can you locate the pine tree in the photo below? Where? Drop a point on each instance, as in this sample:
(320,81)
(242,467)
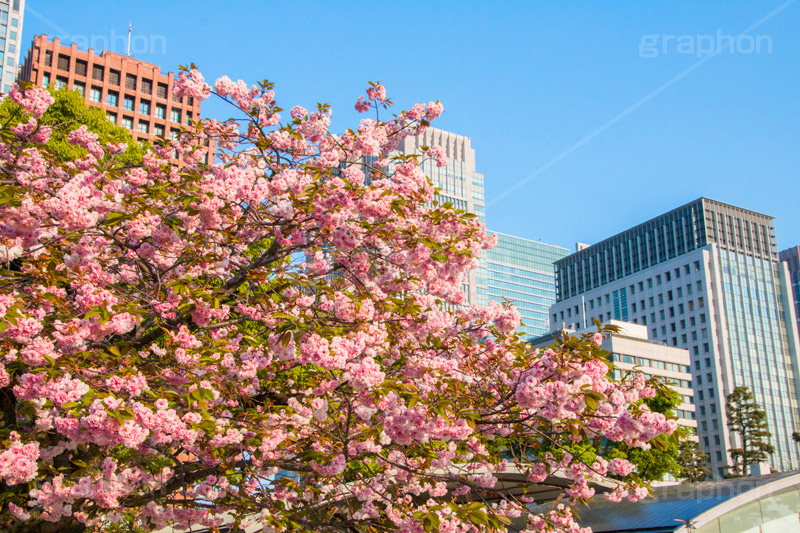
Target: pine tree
(693,461)
(747,419)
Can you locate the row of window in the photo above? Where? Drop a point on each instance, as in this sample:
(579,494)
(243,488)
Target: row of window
(670,295)
(128,102)
(114,76)
(647,245)
(142,126)
(651,363)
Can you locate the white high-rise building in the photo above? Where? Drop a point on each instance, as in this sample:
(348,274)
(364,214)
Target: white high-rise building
(11,14)
(705,277)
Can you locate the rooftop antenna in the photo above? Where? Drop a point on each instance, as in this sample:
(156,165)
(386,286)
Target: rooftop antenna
(130,29)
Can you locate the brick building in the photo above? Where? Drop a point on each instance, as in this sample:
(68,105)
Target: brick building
(133,93)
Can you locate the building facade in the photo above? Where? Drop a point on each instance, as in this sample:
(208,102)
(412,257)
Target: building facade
(705,277)
(11,15)
(133,93)
(791,257)
(520,271)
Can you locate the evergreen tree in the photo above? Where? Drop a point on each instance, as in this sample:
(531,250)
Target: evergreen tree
(748,420)
(693,461)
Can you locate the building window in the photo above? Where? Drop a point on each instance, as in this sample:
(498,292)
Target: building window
(113,77)
(14,22)
(162,90)
(127,122)
(63,62)
(97,72)
(144,107)
(95,94)
(158,129)
(61,82)
(188,118)
(112,117)
(112,99)
(147,86)
(175,116)
(80,67)
(144,126)
(175,98)
(80,87)
(127,103)
(130,81)
(48,58)
(708,362)
(46,81)
(173,134)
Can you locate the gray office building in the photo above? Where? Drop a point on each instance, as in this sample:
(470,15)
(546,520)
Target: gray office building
(705,277)
(458,181)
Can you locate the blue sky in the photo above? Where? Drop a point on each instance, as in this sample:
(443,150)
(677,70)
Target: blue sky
(587,117)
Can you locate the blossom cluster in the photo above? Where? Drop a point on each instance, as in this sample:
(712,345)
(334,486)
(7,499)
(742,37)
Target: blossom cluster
(232,339)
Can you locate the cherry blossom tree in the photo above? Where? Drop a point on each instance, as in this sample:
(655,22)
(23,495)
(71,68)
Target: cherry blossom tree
(277,339)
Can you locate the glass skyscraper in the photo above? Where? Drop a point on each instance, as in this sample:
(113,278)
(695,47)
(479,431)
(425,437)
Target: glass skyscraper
(705,277)
(11,13)
(520,271)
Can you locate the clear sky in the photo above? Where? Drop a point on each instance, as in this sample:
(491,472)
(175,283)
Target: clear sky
(587,117)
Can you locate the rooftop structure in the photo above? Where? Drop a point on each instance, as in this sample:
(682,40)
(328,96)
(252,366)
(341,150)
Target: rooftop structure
(767,504)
